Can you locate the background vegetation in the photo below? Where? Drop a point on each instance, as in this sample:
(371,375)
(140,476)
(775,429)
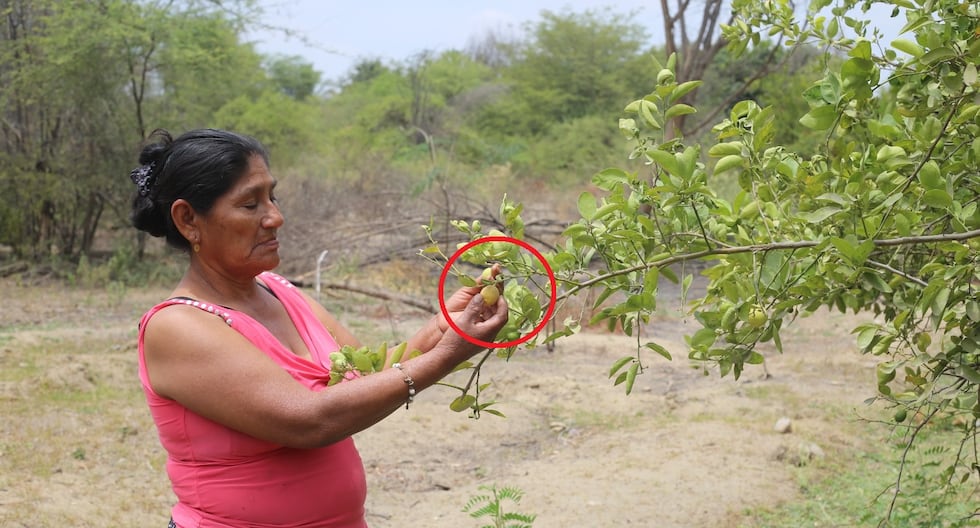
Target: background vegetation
(815,166)
(82,83)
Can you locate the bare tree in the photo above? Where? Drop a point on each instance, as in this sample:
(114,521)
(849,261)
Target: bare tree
(692,30)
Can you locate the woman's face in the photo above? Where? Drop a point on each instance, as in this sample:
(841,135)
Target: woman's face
(238,235)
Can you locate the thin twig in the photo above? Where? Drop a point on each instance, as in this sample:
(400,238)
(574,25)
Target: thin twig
(898,272)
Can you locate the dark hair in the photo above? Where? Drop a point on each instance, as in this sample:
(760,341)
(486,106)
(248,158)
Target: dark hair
(199,166)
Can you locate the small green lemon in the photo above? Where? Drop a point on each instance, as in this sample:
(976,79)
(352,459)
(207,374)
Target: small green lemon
(490,294)
(757,317)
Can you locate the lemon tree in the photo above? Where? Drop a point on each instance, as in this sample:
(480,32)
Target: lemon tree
(881,218)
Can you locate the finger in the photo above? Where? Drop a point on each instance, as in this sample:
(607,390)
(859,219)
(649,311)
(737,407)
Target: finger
(490,273)
(479,308)
(498,313)
(476,305)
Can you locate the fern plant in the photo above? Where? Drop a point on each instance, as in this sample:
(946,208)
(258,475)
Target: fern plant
(490,506)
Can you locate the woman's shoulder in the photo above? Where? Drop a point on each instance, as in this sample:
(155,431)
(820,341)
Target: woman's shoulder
(182,313)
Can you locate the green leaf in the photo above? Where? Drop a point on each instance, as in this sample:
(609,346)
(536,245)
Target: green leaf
(970,74)
(658,349)
(631,377)
(728,163)
(938,54)
(725,149)
(940,300)
(601,298)
(876,282)
(650,279)
(679,109)
(619,364)
(647,111)
(396,355)
(587,205)
(564,332)
(466,280)
(861,50)
(916,21)
(815,217)
(363,363)
(682,89)
(669,273)
(930,176)
(609,179)
(666,160)
(970,374)
(462,403)
(909,47)
(938,198)
(973,311)
(855,254)
(820,118)
(703,338)
(462,366)
(686,284)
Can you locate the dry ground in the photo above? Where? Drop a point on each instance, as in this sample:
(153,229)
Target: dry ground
(77,447)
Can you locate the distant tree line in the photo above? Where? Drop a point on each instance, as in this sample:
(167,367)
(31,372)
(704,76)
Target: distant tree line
(82,83)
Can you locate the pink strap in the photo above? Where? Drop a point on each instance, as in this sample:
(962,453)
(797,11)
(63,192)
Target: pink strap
(210,308)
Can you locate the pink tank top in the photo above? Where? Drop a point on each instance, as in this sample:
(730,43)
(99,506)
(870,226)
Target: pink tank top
(226,479)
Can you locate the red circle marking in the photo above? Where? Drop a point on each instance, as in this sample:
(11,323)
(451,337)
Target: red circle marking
(505,344)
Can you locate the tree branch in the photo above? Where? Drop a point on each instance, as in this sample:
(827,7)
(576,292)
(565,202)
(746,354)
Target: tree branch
(898,272)
(799,244)
(387,296)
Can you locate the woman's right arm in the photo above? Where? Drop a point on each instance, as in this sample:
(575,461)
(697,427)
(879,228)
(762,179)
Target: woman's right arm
(197,360)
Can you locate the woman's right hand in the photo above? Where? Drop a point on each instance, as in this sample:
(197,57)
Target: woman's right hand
(478,321)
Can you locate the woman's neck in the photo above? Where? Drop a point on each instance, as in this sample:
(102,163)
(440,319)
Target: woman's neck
(215,287)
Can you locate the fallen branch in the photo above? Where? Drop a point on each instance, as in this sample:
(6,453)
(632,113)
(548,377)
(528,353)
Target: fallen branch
(370,292)
(10,269)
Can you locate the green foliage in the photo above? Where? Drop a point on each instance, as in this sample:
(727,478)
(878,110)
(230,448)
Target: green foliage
(288,127)
(880,216)
(82,83)
(369,117)
(350,361)
(577,64)
(293,76)
(61,113)
(112,72)
(203,58)
(491,506)
(123,270)
(584,144)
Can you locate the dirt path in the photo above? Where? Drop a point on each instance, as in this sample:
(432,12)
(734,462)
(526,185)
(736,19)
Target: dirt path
(684,450)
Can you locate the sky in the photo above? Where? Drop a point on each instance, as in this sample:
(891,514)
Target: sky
(338,33)
(335,34)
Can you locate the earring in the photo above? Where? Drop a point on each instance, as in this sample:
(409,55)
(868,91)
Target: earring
(196,247)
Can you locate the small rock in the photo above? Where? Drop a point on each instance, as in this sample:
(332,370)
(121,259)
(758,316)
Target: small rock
(812,451)
(783,426)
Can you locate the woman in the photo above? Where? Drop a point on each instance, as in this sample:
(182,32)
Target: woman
(235,363)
